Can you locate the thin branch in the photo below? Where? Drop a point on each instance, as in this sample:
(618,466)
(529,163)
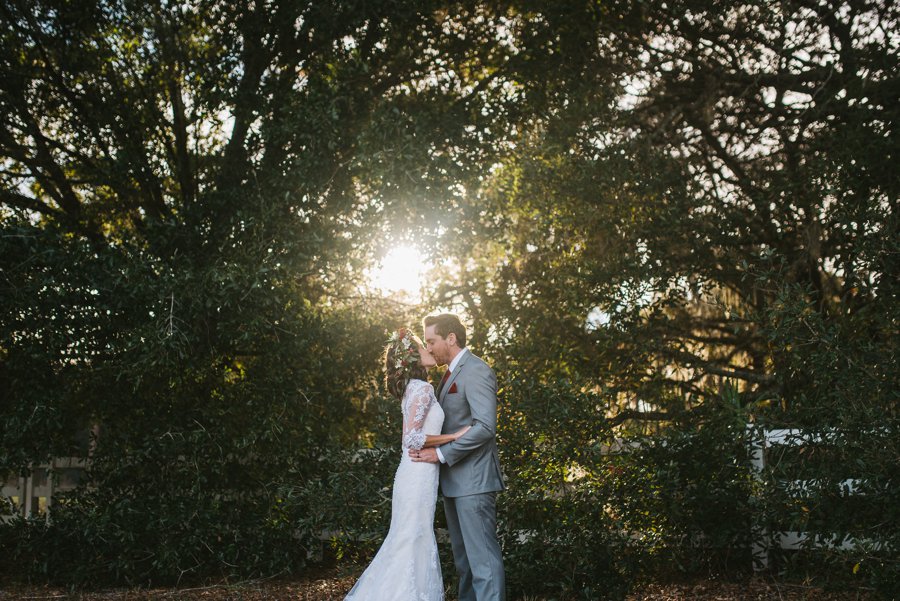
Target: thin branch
(20,201)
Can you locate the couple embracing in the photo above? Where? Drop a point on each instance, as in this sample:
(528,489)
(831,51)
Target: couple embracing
(448,438)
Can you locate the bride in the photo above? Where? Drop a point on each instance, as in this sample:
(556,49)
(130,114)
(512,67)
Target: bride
(406,566)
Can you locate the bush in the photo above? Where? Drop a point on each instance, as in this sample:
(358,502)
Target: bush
(349,504)
(214,386)
(580,521)
(337,502)
(839,374)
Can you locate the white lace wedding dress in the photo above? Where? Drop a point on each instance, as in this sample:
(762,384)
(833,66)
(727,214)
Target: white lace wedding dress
(406,567)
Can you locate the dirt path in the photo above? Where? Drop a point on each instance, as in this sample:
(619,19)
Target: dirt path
(334,589)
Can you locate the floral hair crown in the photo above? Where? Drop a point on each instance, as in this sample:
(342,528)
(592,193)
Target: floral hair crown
(406,353)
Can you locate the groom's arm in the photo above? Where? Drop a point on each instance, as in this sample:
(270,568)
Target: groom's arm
(481,394)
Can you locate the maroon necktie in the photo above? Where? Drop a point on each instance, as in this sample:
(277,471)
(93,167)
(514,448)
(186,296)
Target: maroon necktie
(443,381)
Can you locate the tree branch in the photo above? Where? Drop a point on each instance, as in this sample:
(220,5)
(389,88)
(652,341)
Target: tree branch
(20,201)
(645,416)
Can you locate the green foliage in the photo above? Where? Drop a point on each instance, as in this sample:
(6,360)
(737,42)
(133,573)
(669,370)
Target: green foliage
(208,384)
(588,512)
(557,535)
(350,504)
(662,220)
(190,196)
(842,374)
(698,206)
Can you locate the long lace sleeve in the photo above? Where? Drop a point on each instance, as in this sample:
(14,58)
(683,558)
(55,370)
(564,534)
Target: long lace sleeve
(418,401)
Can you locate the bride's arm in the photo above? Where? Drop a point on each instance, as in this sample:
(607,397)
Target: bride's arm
(436,440)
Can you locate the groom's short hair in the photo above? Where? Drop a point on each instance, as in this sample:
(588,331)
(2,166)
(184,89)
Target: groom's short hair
(446,324)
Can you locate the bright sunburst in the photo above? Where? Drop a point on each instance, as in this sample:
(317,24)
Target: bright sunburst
(402,270)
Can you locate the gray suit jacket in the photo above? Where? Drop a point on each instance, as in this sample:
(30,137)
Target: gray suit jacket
(472,463)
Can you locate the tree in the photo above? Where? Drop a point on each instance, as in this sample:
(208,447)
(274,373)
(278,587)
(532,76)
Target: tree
(697,227)
(190,194)
(681,166)
(681,213)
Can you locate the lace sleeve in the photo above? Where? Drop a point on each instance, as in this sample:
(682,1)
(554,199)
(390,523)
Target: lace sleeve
(419,402)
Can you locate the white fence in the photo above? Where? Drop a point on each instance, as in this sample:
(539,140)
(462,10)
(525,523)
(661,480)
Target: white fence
(763,539)
(32,495)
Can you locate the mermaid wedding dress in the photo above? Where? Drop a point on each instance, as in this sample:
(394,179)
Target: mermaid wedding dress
(406,567)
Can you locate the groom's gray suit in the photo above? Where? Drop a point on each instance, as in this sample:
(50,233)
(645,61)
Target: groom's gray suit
(470,478)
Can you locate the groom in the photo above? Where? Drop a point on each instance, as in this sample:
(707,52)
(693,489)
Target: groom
(470,466)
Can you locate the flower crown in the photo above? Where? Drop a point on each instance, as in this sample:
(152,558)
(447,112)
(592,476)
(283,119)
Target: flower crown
(406,352)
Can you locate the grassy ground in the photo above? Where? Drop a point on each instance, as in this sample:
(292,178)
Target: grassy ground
(330,587)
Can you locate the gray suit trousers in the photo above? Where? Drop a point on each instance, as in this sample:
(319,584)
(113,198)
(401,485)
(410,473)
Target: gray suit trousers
(472,523)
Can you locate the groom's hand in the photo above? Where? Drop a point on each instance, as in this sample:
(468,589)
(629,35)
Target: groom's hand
(424,455)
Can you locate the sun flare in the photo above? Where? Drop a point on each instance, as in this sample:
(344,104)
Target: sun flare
(402,270)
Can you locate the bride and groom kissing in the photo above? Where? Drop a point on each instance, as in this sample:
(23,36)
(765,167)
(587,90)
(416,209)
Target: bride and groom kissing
(448,440)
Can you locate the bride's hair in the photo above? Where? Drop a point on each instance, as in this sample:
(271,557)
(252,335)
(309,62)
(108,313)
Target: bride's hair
(402,362)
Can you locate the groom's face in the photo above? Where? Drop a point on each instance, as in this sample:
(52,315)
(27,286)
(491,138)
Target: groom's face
(437,346)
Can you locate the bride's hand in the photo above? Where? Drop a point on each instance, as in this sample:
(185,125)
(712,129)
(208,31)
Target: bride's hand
(459,433)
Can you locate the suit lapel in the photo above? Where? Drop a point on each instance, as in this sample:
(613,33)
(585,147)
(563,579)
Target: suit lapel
(453,376)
